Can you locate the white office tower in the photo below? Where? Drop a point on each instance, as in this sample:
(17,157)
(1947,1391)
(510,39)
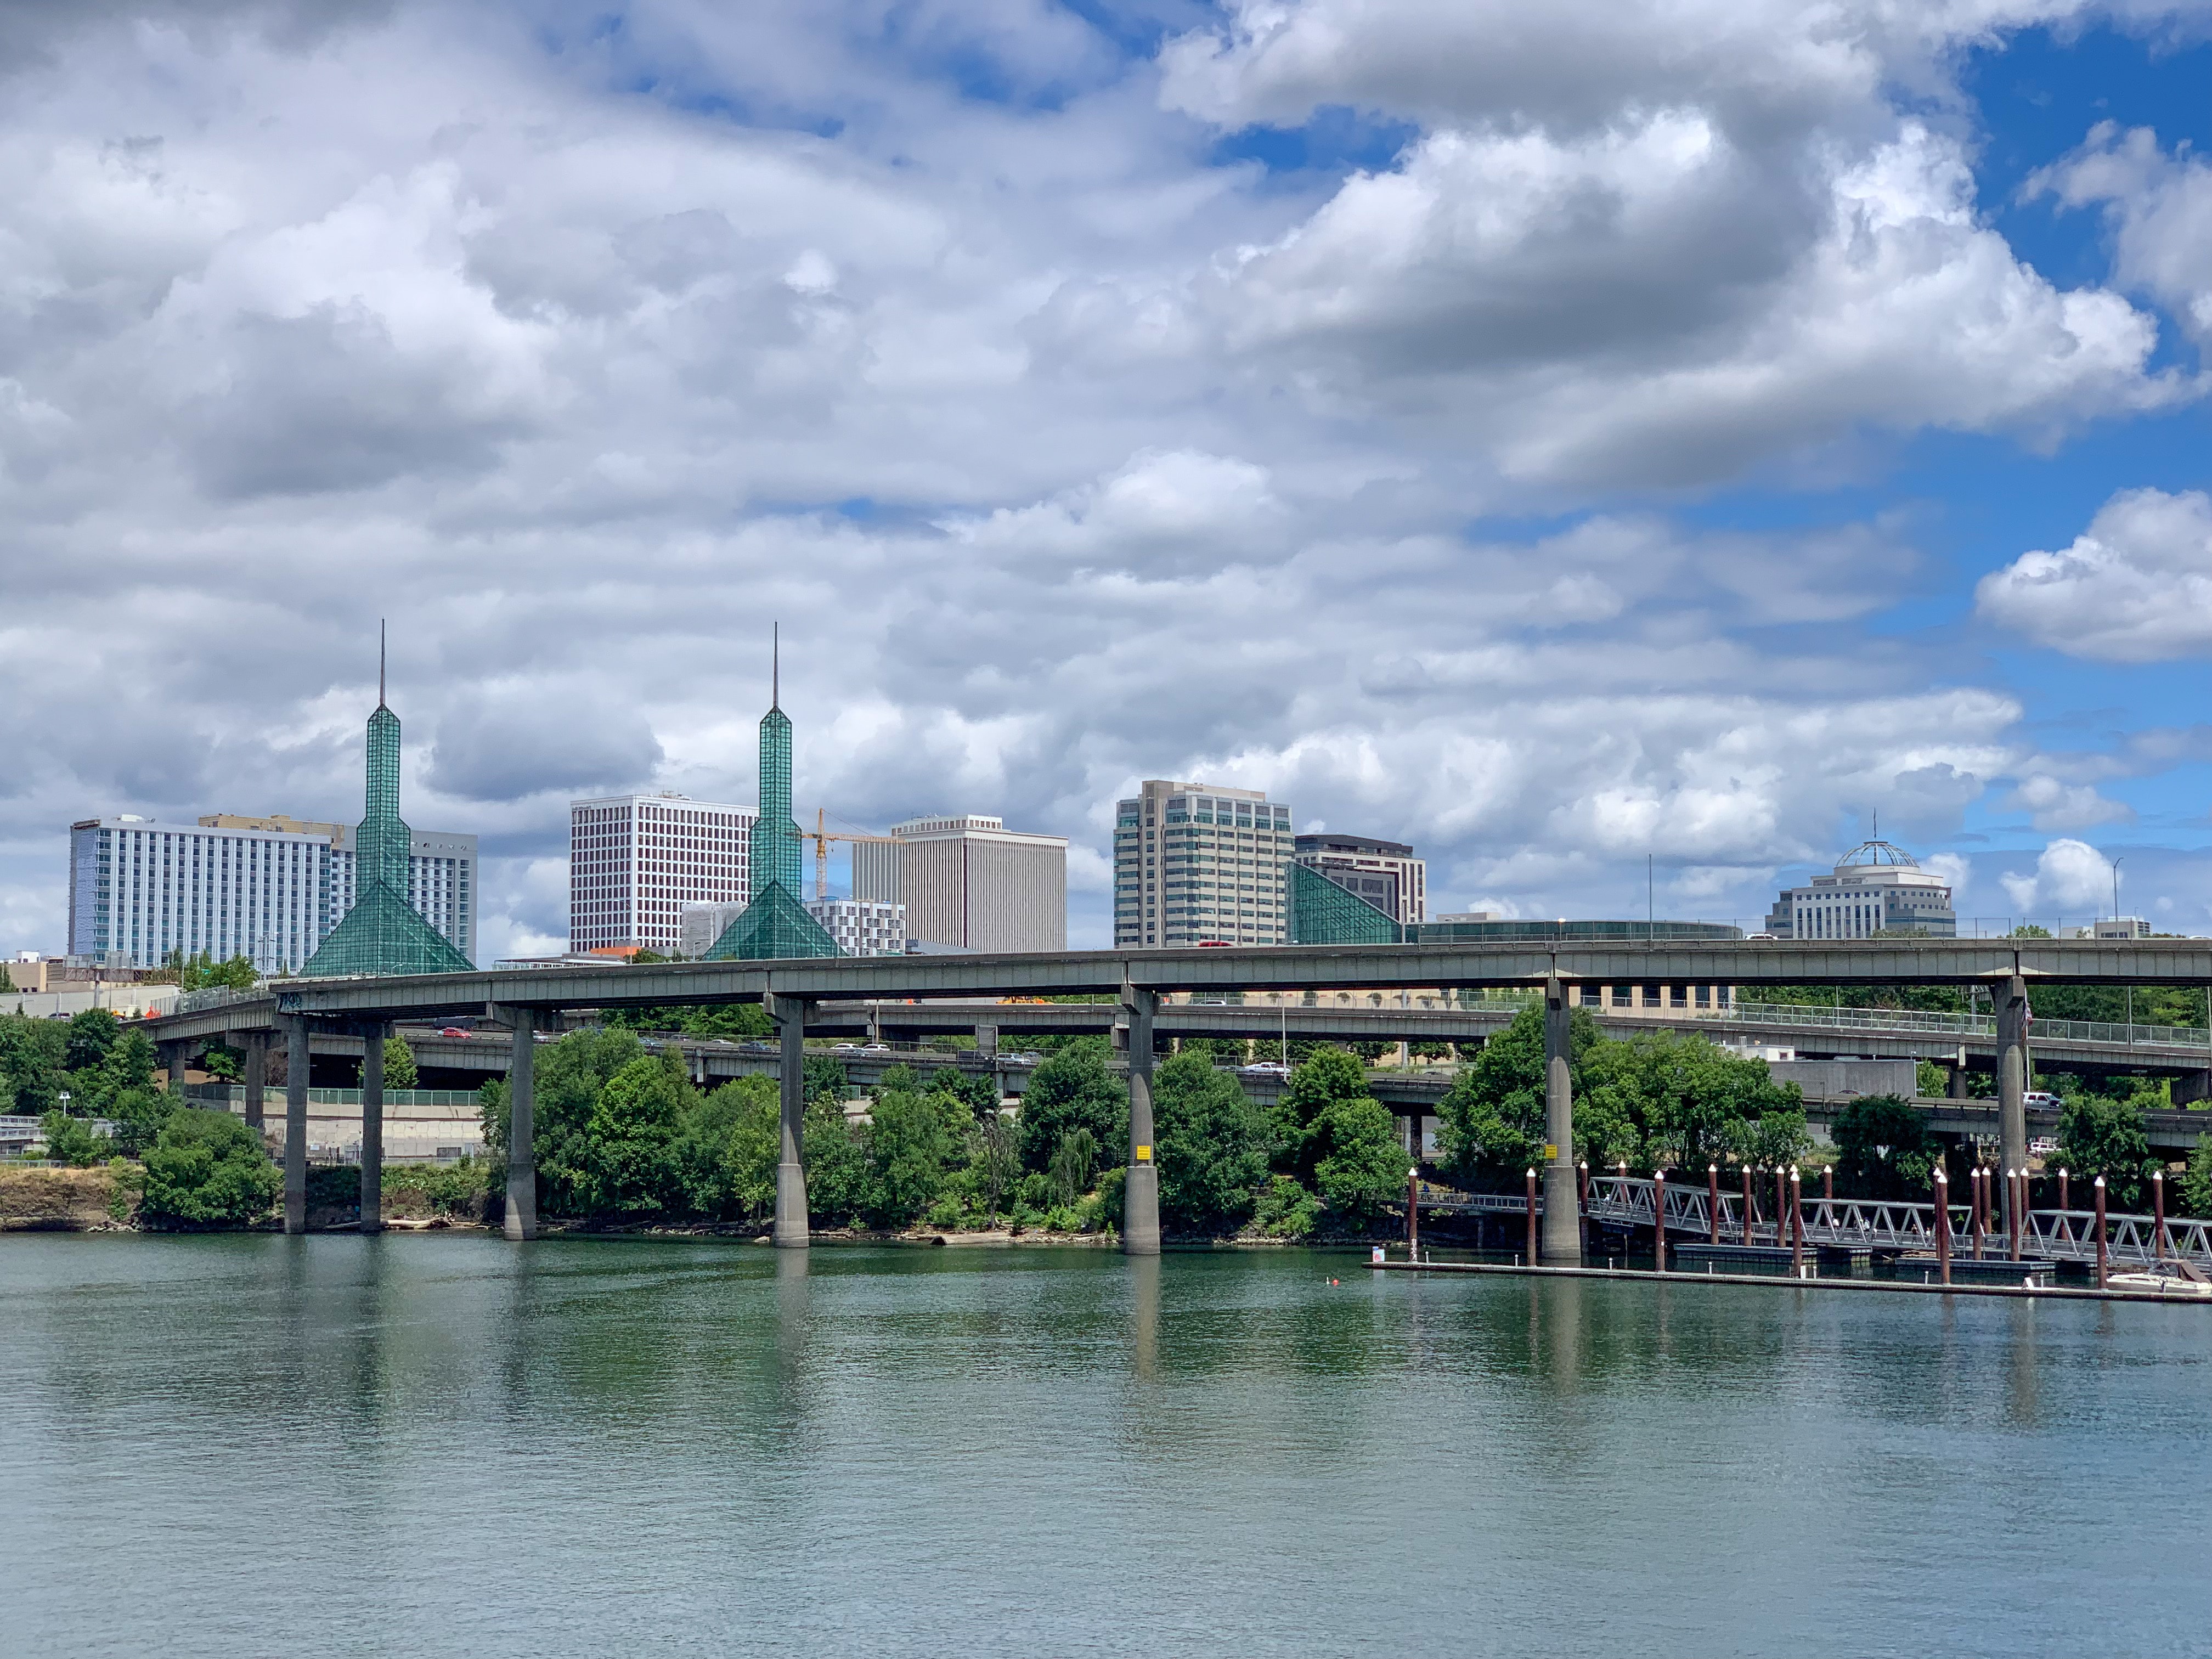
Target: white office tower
(1196,864)
(634,861)
(266,887)
(862,927)
(969,881)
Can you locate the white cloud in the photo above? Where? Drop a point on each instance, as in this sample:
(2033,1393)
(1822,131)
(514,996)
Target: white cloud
(2070,877)
(2159,207)
(1065,453)
(2053,804)
(2135,586)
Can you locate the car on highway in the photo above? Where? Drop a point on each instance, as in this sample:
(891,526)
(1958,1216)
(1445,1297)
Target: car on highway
(2043,1146)
(1274,1068)
(2039,1097)
(455,1031)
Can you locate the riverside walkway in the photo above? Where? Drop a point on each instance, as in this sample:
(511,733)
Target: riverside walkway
(1883,1226)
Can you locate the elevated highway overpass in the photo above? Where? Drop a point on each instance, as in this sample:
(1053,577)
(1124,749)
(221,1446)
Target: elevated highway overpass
(794,994)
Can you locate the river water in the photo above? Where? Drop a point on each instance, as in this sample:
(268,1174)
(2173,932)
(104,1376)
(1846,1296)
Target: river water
(441,1444)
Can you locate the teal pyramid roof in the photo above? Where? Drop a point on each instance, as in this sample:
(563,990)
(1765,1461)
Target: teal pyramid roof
(385,934)
(774,927)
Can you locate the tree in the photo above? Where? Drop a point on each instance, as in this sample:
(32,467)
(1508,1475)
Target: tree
(824,1079)
(1212,1141)
(70,1141)
(1884,1148)
(208,1170)
(1331,1075)
(1073,1090)
(6,980)
(400,1071)
(91,1035)
(626,1161)
(139,1115)
(731,1143)
(2102,1137)
(999,1159)
(1491,1121)
(841,1186)
(31,1056)
(1365,1164)
(909,1143)
(1074,1161)
(2196,1185)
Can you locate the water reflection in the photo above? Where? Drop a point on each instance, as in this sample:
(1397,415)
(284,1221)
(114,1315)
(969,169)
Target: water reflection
(1145,1314)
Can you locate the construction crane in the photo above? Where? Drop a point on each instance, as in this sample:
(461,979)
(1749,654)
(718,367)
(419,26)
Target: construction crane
(822,835)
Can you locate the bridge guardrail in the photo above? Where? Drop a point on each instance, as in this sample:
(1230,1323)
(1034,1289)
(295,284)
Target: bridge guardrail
(1973,1025)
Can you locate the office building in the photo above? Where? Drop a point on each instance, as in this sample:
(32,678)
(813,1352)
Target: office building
(862,927)
(270,888)
(1195,863)
(635,861)
(1874,887)
(774,926)
(968,881)
(1385,873)
(701,923)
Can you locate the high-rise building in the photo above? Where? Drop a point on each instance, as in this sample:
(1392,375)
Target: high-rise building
(1874,887)
(968,881)
(265,886)
(862,927)
(635,861)
(1385,873)
(1195,863)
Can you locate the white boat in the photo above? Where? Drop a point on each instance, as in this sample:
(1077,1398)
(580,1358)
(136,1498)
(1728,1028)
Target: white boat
(2160,1284)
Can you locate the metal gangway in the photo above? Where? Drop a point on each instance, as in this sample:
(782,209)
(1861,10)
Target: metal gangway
(1888,1225)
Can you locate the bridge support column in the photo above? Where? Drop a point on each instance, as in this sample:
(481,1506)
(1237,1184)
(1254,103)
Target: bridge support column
(521,1222)
(793,1230)
(173,1062)
(257,1079)
(1957,1079)
(2012,1075)
(1140,1195)
(297,1065)
(1563,1237)
(372,1125)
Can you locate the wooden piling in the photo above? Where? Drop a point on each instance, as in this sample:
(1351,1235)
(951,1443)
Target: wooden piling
(1745,1228)
(1978,1191)
(1532,1219)
(1713,1200)
(1943,1223)
(2158,1213)
(2101,1271)
(1659,1217)
(1796,1223)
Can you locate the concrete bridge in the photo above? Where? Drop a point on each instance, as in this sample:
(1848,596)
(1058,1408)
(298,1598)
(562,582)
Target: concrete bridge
(793,993)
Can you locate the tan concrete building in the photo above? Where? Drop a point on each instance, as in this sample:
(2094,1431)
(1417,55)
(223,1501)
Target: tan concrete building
(969,882)
(1195,863)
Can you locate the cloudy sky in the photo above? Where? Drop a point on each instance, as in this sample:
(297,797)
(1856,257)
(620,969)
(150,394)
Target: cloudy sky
(1551,434)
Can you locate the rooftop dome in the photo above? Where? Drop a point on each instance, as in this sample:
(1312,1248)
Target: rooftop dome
(1877,853)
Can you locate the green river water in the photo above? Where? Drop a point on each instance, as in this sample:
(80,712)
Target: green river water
(443,1444)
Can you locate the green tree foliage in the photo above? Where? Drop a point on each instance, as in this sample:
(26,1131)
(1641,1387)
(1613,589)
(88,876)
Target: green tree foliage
(1366,1165)
(1212,1144)
(2102,1137)
(729,1148)
(2196,1185)
(1490,1124)
(839,1174)
(913,1140)
(208,1170)
(91,1035)
(1286,1210)
(825,1080)
(32,1052)
(1884,1149)
(627,1160)
(1327,1077)
(70,1141)
(1073,1090)
(139,1115)
(999,1160)
(201,972)
(729,1019)
(1074,1161)
(6,980)
(400,1071)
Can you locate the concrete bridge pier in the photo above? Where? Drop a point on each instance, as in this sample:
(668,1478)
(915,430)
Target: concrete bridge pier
(296,1063)
(1956,1076)
(372,1125)
(2011,1080)
(521,1222)
(1562,1233)
(175,1056)
(256,1044)
(793,1230)
(1140,1195)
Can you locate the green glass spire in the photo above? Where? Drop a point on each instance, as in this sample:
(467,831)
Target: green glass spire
(775,924)
(383,934)
(776,853)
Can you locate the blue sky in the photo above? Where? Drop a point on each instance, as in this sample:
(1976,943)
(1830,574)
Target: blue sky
(1552,437)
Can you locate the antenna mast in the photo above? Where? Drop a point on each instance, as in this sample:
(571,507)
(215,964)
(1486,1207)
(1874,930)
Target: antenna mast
(379,662)
(775,665)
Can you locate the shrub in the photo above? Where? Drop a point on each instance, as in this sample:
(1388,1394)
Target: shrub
(1286,1210)
(208,1169)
